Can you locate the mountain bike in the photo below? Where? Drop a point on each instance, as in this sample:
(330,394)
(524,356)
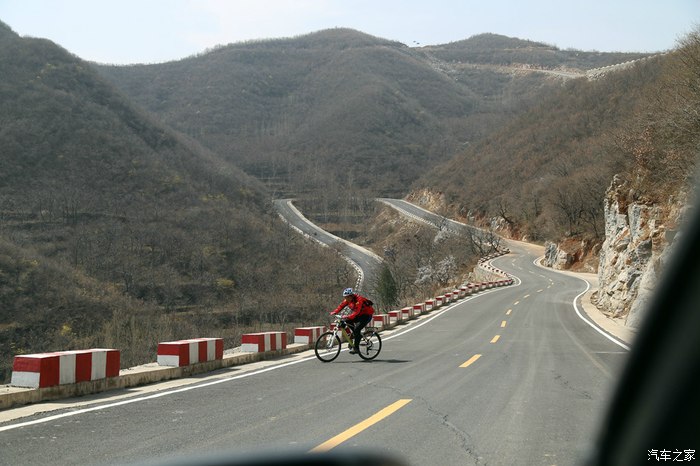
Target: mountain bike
(329,344)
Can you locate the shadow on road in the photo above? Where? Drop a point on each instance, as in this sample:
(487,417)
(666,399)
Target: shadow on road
(379,361)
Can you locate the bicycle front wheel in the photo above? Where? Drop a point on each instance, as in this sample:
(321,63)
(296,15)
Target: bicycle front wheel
(327,347)
(370,346)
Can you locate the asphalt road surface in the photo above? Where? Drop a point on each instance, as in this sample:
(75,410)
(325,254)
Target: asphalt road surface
(430,218)
(509,376)
(365,262)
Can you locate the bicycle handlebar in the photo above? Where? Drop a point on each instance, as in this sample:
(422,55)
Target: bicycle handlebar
(340,317)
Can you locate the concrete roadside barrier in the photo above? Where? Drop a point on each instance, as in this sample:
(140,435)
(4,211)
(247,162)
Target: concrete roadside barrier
(64,367)
(394,317)
(186,352)
(380,321)
(263,342)
(308,335)
(418,309)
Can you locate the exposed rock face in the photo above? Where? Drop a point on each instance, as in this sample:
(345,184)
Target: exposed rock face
(556,258)
(575,254)
(632,256)
(428,199)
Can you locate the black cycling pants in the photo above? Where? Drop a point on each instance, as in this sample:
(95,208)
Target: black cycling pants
(360,322)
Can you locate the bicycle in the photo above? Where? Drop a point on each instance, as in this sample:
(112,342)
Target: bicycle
(328,345)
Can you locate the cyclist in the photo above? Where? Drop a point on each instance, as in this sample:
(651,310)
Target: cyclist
(360,316)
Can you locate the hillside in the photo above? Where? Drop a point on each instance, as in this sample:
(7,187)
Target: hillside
(544,175)
(117,231)
(303,113)
(300,113)
(530,172)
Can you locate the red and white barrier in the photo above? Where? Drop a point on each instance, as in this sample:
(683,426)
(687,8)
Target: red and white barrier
(406,313)
(264,341)
(307,335)
(418,309)
(394,317)
(64,367)
(380,321)
(186,352)
(429,305)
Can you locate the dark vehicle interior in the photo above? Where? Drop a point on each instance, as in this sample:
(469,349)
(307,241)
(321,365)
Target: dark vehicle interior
(656,406)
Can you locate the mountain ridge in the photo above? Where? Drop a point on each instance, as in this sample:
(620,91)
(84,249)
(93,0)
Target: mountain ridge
(333,100)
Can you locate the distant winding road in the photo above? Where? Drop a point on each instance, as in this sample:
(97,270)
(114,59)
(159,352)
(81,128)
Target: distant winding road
(365,262)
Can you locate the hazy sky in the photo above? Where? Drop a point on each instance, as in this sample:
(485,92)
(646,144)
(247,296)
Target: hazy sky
(148,31)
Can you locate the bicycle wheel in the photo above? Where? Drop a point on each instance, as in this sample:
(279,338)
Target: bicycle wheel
(327,347)
(370,346)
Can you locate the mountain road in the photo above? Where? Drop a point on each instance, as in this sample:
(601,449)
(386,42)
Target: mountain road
(508,376)
(366,263)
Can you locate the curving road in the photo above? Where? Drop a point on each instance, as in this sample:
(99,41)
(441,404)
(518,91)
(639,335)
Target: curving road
(509,376)
(432,219)
(425,216)
(366,263)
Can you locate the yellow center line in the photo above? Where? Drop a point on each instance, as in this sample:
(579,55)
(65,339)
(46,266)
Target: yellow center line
(503,324)
(357,428)
(526,296)
(509,311)
(495,339)
(471,361)
(516,303)
(540,290)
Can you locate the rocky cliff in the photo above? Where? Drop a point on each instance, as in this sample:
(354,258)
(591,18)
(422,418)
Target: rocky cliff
(638,241)
(639,238)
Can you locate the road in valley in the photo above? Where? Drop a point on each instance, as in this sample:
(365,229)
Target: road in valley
(427,217)
(509,376)
(365,262)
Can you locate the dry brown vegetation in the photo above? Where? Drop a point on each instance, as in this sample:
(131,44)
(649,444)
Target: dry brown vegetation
(134,201)
(544,174)
(117,231)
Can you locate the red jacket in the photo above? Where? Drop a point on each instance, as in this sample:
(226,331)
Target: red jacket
(361,306)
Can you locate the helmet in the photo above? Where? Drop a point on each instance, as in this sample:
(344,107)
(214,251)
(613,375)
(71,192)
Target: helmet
(347,292)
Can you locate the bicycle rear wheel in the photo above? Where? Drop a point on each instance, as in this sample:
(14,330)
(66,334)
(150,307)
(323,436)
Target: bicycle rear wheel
(370,346)
(327,347)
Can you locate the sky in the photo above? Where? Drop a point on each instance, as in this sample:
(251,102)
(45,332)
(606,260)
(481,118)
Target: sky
(154,31)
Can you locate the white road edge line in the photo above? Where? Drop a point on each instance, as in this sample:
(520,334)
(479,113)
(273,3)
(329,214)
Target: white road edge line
(595,327)
(578,311)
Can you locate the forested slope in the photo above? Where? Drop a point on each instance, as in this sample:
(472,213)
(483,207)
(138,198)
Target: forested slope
(315,114)
(626,142)
(116,231)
